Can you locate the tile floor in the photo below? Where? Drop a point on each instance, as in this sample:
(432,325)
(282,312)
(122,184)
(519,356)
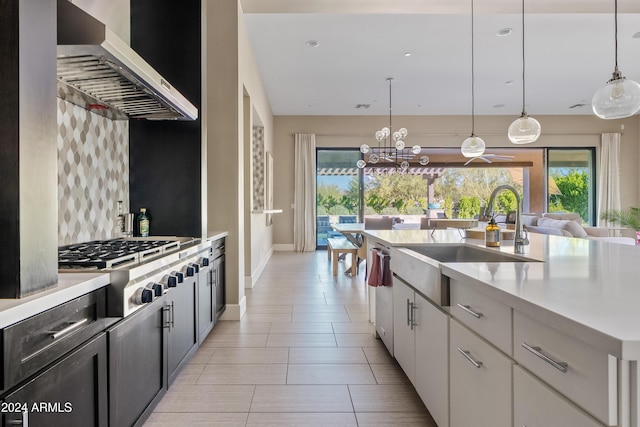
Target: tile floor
(303,355)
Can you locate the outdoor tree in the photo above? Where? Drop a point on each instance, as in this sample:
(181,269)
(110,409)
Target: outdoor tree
(472,182)
(404,193)
(574,187)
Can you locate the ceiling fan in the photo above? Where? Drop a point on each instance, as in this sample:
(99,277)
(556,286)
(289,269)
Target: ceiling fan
(489,158)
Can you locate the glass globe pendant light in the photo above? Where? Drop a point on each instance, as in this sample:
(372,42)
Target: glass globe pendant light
(473,146)
(525,129)
(620,97)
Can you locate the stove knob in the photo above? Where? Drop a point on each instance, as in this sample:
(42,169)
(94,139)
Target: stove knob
(196,267)
(170,281)
(204,261)
(188,270)
(179,275)
(142,296)
(157,289)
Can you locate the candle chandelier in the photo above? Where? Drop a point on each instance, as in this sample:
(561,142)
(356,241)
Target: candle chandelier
(390,153)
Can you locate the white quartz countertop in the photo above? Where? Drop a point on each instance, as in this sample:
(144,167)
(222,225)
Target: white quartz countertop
(215,235)
(69,286)
(587,288)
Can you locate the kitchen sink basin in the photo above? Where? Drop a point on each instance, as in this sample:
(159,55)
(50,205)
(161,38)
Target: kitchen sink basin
(462,253)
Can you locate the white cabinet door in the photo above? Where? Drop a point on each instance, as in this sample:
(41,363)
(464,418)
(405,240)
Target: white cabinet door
(384,315)
(403,335)
(480,381)
(432,358)
(537,405)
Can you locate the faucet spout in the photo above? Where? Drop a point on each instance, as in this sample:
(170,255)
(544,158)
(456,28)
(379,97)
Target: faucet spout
(521,239)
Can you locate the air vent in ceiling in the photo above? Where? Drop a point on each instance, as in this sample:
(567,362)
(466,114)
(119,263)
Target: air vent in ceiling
(577,105)
(365,106)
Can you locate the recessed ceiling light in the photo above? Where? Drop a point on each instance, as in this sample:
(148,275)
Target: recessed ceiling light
(509,83)
(407,54)
(498,106)
(636,35)
(504,32)
(308,105)
(312,43)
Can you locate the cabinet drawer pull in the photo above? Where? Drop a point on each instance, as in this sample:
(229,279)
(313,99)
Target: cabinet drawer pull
(471,312)
(560,366)
(467,354)
(68,329)
(408,312)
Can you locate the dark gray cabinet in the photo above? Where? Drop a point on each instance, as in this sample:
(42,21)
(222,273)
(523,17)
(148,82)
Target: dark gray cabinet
(182,337)
(71,392)
(137,364)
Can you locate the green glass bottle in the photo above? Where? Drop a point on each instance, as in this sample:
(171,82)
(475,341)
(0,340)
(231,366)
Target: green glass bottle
(143,220)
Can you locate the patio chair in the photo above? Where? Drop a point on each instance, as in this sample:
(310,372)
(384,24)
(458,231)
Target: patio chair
(384,223)
(347,219)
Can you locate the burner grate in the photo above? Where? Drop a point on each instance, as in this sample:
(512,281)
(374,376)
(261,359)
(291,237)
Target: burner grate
(111,253)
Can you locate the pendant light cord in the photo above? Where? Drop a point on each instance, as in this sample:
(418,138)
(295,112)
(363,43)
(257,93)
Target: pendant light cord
(473,100)
(615,20)
(523,67)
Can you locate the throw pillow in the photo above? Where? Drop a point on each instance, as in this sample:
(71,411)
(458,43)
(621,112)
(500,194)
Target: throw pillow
(572,227)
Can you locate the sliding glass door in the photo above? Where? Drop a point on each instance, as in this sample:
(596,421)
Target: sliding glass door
(571,182)
(338,191)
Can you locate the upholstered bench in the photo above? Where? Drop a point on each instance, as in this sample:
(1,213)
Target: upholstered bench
(336,247)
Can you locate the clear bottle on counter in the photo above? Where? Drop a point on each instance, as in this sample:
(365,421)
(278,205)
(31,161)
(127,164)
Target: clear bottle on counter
(120,220)
(143,220)
(492,234)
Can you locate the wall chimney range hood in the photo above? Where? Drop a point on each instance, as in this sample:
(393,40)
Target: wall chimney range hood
(100,72)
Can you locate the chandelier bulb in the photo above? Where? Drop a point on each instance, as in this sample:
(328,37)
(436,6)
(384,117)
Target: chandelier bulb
(400,145)
(361,164)
(424,160)
(374,158)
(386,132)
(416,149)
(404,165)
(403,132)
(364,148)
(396,135)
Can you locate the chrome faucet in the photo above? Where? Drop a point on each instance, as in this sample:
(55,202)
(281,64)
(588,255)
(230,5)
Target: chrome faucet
(521,239)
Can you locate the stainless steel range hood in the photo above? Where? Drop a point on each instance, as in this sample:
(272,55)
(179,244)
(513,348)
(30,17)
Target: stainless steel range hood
(100,72)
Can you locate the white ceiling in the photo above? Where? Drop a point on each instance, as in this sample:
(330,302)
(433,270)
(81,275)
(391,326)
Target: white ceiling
(569,54)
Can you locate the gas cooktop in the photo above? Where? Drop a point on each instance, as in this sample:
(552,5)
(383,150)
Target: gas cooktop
(101,254)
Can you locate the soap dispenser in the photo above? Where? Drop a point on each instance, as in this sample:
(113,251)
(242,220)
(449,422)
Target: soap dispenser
(492,234)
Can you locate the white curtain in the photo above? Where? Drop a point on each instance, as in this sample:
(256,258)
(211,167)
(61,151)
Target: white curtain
(609,179)
(304,216)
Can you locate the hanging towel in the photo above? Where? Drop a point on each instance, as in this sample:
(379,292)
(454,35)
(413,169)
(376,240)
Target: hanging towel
(386,271)
(374,274)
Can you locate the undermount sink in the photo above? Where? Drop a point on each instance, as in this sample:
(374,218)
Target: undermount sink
(462,253)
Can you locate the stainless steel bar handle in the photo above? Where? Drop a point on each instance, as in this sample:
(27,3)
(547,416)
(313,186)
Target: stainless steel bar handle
(24,421)
(173,313)
(411,324)
(408,312)
(560,366)
(467,308)
(413,315)
(468,356)
(68,329)
(167,317)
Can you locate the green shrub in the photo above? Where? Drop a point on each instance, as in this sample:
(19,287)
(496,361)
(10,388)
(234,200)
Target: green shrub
(415,210)
(321,210)
(338,210)
(390,211)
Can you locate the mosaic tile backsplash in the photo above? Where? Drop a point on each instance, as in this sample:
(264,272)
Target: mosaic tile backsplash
(93,174)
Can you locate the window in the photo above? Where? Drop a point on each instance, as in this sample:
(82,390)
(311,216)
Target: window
(571,182)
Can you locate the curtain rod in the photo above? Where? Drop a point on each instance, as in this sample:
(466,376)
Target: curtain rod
(461,134)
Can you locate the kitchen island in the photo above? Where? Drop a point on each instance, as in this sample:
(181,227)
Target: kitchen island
(561,322)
